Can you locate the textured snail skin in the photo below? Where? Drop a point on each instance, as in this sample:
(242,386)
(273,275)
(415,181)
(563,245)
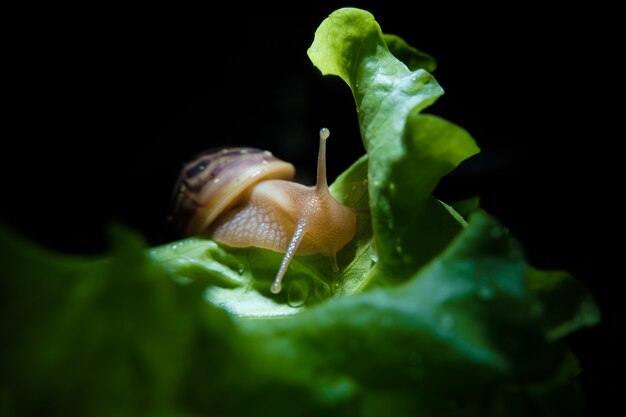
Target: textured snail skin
(241,197)
(270,212)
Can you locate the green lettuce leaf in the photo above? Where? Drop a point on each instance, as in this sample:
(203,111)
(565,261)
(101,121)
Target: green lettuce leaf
(434,311)
(408,152)
(466,335)
(97,337)
(470,334)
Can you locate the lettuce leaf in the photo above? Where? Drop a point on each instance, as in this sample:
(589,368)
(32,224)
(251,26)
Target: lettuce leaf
(469,334)
(408,152)
(432,313)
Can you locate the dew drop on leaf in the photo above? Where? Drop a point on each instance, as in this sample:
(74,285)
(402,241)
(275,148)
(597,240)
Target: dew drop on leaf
(374,255)
(298,293)
(337,289)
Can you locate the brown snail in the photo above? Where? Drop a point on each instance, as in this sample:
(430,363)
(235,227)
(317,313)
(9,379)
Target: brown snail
(244,197)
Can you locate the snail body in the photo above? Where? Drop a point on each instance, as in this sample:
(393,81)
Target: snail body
(243,197)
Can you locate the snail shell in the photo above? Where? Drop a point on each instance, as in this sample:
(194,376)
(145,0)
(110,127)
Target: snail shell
(214,181)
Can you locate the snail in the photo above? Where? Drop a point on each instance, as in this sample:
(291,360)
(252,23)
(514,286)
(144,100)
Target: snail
(244,197)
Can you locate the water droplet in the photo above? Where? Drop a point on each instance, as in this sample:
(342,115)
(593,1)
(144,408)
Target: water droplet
(241,269)
(268,153)
(298,293)
(392,187)
(374,255)
(216,180)
(174,247)
(337,289)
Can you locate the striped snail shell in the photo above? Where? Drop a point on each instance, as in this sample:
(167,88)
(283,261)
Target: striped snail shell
(214,181)
(244,197)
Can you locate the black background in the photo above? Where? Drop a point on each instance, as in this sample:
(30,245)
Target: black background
(104,106)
